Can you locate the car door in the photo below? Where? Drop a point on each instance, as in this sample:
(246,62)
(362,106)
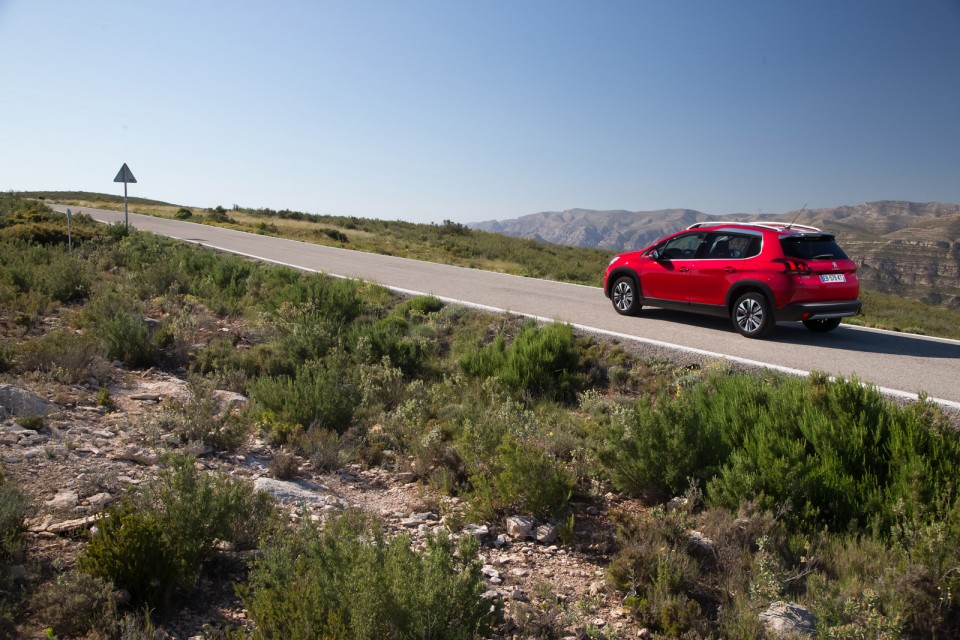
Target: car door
(666,277)
(721,262)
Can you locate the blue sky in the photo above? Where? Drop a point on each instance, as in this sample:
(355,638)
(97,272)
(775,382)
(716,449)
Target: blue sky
(471,111)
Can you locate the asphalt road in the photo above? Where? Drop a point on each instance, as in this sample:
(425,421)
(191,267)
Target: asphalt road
(898,363)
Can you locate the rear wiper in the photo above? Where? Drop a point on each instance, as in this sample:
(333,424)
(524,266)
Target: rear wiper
(823,256)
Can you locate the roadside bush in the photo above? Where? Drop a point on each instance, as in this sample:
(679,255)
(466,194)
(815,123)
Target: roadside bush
(219,215)
(284,465)
(419,305)
(77,604)
(387,338)
(541,361)
(653,449)
(522,478)
(348,581)
(832,453)
(323,393)
(6,357)
(203,417)
(154,546)
(14,507)
(67,278)
(839,454)
(127,338)
(46,233)
(658,574)
(904,586)
(65,356)
(333,302)
(321,446)
(183,214)
(133,550)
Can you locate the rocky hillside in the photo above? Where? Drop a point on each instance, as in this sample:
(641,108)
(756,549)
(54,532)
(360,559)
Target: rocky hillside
(614,230)
(902,247)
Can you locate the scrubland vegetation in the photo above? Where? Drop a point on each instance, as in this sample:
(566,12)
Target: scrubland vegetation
(808,490)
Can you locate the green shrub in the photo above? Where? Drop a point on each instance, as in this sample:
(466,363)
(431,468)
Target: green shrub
(284,465)
(333,234)
(14,507)
(655,569)
(67,278)
(334,302)
(77,604)
(540,361)
(105,400)
(387,339)
(268,229)
(348,581)
(323,393)
(840,455)
(653,450)
(202,417)
(134,551)
(34,423)
(127,338)
(834,453)
(155,546)
(65,356)
(904,586)
(419,305)
(219,215)
(522,478)
(183,214)
(321,447)
(118,231)
(6,357)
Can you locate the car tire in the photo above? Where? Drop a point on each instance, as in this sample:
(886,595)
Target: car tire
(625,296)
(752,316)
(822,325)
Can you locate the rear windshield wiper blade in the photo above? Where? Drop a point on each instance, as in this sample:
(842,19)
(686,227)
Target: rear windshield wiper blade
(823,256)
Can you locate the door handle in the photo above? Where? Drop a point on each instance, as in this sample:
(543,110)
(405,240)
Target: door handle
(730,269)
(683,269)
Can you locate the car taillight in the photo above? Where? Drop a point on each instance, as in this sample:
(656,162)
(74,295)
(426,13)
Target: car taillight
(794,267)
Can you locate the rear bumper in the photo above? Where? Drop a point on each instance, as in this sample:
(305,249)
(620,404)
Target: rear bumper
(819,310)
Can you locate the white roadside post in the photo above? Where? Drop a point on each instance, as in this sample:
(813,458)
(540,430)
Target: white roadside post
(125,176)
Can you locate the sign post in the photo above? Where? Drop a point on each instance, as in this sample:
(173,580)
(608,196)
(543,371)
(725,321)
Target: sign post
(125,176)
(69,234)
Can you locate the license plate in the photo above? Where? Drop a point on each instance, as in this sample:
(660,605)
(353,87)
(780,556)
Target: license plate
(832,277)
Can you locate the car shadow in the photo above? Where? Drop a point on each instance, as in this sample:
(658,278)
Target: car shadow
(844,337)
(849,338)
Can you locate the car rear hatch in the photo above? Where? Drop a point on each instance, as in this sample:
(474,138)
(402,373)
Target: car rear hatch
(822,265)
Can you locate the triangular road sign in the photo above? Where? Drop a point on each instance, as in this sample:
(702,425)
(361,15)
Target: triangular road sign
(125,175)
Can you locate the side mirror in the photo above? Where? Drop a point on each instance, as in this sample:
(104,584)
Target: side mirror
(655,254)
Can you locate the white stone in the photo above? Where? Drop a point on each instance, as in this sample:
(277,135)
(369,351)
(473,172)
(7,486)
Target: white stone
(545,533)
(63,500)
(786,619)
(519,527)
(20,402)
(290,492)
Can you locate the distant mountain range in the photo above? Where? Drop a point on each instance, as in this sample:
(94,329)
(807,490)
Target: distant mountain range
(902,247)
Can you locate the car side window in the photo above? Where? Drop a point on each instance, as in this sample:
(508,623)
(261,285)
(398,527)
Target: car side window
(682,247)
(726,246)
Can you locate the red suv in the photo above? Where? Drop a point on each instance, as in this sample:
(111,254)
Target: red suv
(754,273)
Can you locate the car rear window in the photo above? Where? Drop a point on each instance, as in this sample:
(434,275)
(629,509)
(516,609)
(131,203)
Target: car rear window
(812,248)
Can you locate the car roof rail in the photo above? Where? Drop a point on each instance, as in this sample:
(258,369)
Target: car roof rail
(773,226)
